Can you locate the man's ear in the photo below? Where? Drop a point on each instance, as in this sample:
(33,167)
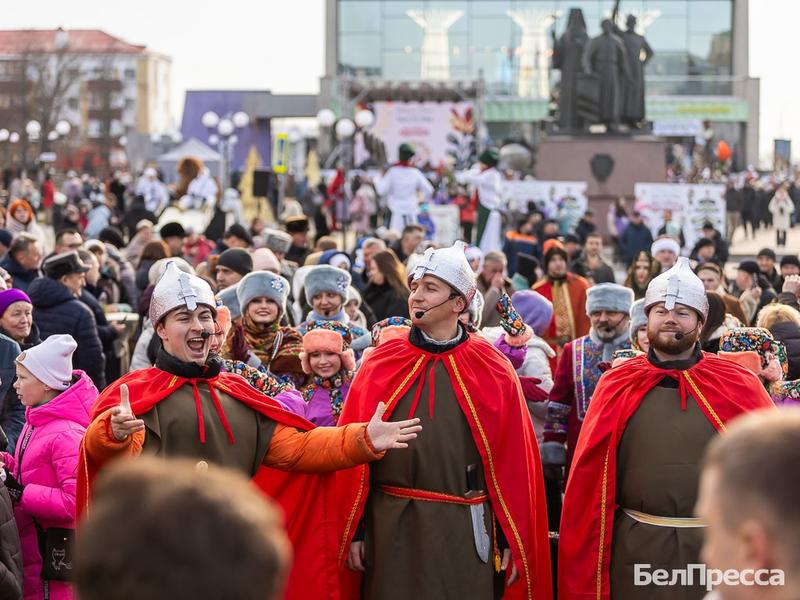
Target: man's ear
(459,305)
(161,331)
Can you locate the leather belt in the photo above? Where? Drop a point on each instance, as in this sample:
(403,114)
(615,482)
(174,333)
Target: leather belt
(681,522)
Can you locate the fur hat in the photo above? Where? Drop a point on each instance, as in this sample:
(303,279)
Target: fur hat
(554,250)
(277,241)
(665,243)
(608,296)
(325,278)
(262,283)
(328,336)
(638,319)
(230,300)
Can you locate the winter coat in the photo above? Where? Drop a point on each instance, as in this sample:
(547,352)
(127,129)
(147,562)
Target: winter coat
(782,209)
(318,409)
(633,240)
(12,414)
(536,364)
(21,277)
(385,301)
(10,551)
(56,310)
(46,466)
(789,333)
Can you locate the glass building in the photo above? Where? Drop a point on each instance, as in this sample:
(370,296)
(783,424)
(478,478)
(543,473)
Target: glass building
(698,73)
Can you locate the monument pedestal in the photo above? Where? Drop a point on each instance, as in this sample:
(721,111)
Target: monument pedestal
(636,159)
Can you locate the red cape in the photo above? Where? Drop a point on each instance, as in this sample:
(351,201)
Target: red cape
(584,556)
(489,394)
(309,502)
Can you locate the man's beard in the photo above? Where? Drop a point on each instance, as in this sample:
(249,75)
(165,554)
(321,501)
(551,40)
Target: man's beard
(607,334)
(666,341)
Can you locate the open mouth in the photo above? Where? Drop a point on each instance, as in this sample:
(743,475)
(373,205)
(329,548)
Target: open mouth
(196,344)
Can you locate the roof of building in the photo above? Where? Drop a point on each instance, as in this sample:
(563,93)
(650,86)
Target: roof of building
(78,41)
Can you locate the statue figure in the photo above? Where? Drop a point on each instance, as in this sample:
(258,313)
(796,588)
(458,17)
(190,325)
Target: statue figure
(567,57)
(639,54)
(605,58)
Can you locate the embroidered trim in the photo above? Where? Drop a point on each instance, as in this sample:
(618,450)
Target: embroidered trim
(352,516)
(500,498)
(704,401)
(603,499)
(403,383)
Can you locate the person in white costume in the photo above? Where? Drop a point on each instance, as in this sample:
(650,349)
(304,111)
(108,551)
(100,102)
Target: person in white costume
(401,185)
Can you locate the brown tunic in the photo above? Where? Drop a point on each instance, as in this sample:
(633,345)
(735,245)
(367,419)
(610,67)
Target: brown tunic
(172,430)
(426,550)
(657,473)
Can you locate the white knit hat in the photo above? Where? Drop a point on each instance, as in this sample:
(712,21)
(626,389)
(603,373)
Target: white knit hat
(51,361)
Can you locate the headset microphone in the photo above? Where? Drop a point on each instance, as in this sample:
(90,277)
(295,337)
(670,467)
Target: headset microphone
(205,335)
(679,335)
(421,313)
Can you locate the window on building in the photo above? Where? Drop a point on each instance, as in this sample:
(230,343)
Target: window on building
(72,103)
(130,74)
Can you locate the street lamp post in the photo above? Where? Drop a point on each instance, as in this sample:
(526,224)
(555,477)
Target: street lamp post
(345,130)
(222,133)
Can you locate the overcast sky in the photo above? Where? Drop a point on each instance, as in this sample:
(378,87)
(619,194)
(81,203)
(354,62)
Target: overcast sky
(244,44)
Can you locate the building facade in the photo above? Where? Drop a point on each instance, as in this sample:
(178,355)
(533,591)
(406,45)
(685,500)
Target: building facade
(104,87)
(699,72)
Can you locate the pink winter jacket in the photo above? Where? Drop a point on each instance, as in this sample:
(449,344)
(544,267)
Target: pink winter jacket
(47,470)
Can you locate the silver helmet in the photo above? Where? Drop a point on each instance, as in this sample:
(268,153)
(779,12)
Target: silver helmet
(678,285)
(451,266)
(177,289)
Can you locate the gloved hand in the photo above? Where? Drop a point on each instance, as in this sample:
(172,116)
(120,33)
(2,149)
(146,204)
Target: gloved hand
(240,349)
(14,487)
(532,391)
(553,453)
(517,332)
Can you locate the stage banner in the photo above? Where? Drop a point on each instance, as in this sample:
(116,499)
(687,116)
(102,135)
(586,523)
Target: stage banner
(442,133)
(446,220)
(564,201)
(692,205)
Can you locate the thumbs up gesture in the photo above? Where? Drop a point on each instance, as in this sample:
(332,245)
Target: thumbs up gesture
(123,421)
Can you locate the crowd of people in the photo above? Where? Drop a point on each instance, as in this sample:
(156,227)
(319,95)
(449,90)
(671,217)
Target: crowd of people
(521,413)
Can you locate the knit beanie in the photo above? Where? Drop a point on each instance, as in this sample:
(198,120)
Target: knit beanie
(51,361)
(328,336)
(264,259)
(535,310)
(262,283)
(8,297)
(237,260)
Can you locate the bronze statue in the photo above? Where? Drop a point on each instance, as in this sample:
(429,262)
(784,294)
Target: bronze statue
(567,57)
(605,58)
(639,54)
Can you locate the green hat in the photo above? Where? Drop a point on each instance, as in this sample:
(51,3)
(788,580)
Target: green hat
(406,151)
(489,157)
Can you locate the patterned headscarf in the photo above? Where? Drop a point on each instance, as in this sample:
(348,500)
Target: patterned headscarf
(755,339)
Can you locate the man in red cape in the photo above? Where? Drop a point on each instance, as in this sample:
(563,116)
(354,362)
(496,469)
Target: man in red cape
(462,514)
(187,407)
(633,483)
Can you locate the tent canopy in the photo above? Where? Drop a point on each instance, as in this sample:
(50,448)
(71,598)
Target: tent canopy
(168,163)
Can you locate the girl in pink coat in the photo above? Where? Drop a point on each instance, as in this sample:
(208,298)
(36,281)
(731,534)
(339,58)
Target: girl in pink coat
(41,476)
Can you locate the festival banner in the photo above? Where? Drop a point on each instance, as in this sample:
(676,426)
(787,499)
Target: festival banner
(692,205)
(565,201)
(442,133)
